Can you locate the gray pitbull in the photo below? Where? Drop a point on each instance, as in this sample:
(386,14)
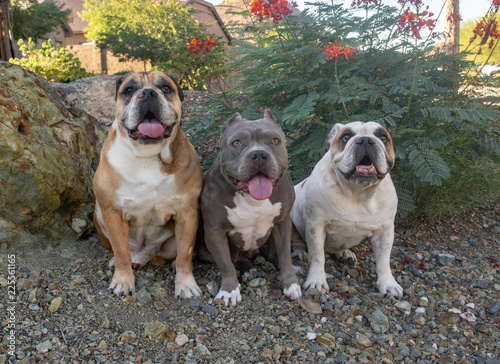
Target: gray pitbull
(246,201)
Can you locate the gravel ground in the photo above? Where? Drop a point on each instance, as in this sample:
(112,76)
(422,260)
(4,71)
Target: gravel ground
(450,312)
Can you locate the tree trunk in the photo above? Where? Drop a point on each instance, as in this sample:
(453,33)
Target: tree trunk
(6,39)
(452,30)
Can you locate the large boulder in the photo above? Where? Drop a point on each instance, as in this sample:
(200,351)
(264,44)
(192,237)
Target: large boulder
(95,95)
(49,152)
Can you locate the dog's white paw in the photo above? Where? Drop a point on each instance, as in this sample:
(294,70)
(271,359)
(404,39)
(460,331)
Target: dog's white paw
(293,292)
(346,254)
(122,283)
(316,280)
(230,298)
(186,287)
(388,285)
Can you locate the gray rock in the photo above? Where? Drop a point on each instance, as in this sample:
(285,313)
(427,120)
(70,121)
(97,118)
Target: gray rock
(43,347)
(212,288)
(493,309)
(211,310)
(480,283)
(444,259)
(379,321)
(142,296)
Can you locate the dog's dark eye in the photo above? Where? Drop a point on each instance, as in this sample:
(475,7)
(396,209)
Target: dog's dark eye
(383,138)
(345,138)
(128,90)
(236,143)
(275,141)
(166,89)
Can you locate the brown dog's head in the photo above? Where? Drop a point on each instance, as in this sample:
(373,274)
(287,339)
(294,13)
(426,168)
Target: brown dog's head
(148,106)
(363,153)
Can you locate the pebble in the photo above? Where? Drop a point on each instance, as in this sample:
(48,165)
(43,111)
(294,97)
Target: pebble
(44,346)
(211,310)
(326,339)
(105,323)
(201,350)
(212,288)
(127,336)
(468,316)
(379,321)
(310,306)
(404,306)
(444,259)
(159,305)
(363,340)
(480,283)
(181,340)
(154,329)
(448,318)
(493,309)
(55,304)
(311,336)
(142,296)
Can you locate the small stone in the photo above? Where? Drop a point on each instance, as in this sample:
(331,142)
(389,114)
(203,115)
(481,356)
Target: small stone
(267,354)
(468,316)
(105,323)
(167,335)
(480,283)
(257,282)
(448,318)
(212,288)
(127,336)
(310,306)
(379,321)
(52,287)
(102,345)
(43,347)
(128,299)
(3,359)
(423,301)
(77,281)
(34,307)
(211,310)
(493,309)
(444,259)
(419,320)
(403,306)
(159,305)
(201,350)
(55,304)
(363,340)
(326,339)
(158,292)
(32,296)
(80,307)
(154,329)
(181,340)
(142,296)
(311,335)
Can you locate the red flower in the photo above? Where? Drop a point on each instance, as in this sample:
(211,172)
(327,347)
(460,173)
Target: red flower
(196,46)
(415,22)
(275,9)
(334,50)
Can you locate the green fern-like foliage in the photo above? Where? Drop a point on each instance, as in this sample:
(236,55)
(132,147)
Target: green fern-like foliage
(392,78)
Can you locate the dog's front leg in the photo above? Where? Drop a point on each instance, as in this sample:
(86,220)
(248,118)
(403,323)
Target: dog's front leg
(382,242)
(281,240)
(315,237)
(123,281)
(185,234)
(218,245)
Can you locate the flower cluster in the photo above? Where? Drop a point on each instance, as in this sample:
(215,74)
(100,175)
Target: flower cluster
(415,22)
(487,30)
(274,9)
(364,2)
(335,50)
(196,46)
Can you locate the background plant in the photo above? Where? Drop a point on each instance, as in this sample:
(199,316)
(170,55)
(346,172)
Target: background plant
(34,19)
(444,139)
(54,64)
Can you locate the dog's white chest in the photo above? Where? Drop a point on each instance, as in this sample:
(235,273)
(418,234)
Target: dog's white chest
(252,218)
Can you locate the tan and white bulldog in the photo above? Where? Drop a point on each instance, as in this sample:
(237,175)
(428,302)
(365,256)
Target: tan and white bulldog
(148,183)
(348,197)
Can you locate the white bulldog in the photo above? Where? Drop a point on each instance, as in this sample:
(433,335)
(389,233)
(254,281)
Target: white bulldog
(348,197)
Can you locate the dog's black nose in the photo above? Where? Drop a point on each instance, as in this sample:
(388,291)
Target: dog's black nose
(258,157)
(148,93)
(365,141)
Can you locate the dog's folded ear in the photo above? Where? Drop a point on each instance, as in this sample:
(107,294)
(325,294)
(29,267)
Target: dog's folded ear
(333,133)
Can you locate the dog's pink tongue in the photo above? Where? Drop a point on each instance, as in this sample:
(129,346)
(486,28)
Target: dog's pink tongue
(151,128)
(260,187)
(366,169)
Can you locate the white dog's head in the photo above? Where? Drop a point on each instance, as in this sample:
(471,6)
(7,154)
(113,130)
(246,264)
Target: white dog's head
(363,153)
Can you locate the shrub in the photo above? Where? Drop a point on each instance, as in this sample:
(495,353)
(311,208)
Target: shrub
(56,65)
(330,65)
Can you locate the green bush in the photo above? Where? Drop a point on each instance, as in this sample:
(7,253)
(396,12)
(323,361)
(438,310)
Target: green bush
(302,68)
(56,65)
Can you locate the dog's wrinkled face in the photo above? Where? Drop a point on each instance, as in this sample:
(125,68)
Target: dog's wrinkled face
(362,152)
(148,106)
(253,155)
